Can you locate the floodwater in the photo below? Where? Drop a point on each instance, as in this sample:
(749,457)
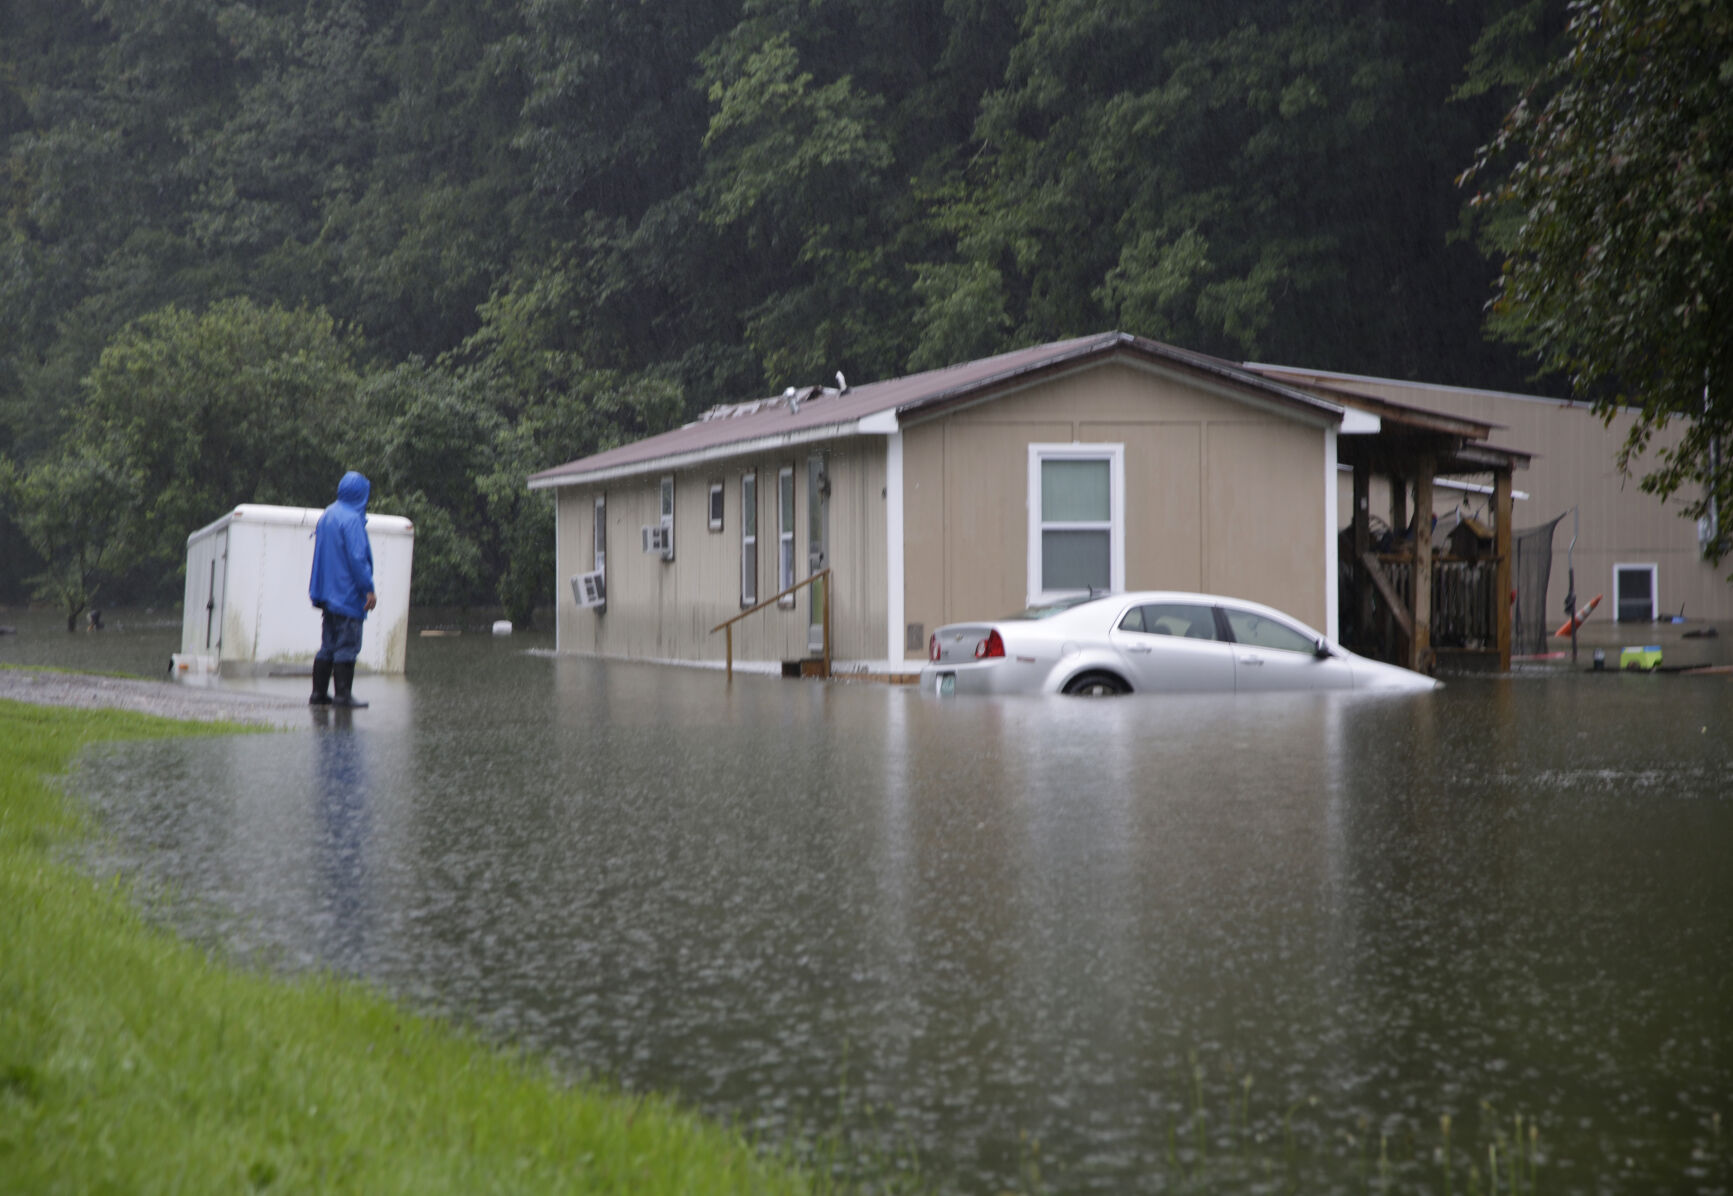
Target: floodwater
(1137,945)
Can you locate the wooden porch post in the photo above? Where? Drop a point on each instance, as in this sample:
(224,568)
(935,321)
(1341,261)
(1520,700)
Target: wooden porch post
(1502,544)
(1420,646)
(1401,641)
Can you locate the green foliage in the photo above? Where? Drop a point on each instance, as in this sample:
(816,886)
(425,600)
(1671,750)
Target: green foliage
(76,509)
(1615,218)
(544,227)
(1242,179)
(423,438)
(239,404)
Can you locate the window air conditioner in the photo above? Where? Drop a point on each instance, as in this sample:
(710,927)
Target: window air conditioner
(660,540)
(590,589)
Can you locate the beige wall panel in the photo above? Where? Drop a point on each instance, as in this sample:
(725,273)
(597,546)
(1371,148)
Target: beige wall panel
(1114,393)
(987,514)
(706,589)
(1264,515)
(1574,466)
(924,526)
(1163,502)
(779,632)
(575,629)
(976,539)
(857,549)
(665,610)
(569,631)
(635,578)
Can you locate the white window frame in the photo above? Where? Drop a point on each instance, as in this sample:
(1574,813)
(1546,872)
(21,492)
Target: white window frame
(748,539)
(1114,455)
(787,508)
(666,507)
(599,535)
(716,504)
(1654,572)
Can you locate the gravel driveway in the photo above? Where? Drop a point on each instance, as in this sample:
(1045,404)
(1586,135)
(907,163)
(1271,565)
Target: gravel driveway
(164,698)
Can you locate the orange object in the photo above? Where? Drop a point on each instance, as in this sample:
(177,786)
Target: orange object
(1570,625)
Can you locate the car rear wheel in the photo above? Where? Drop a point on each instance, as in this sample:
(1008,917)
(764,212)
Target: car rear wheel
(1096,685)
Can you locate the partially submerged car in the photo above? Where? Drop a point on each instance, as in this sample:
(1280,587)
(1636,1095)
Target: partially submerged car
(1149,642)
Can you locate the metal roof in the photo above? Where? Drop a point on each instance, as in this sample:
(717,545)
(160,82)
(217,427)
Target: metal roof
(815,414)
(1457,443)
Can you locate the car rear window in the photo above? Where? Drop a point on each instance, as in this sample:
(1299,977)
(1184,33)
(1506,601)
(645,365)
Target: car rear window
(1049,609)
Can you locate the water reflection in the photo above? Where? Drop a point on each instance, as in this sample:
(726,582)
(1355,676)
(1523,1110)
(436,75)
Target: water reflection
(976,923)
(341,803)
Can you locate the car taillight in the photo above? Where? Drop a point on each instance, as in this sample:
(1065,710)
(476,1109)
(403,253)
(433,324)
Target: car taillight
(933,647)
(991,646)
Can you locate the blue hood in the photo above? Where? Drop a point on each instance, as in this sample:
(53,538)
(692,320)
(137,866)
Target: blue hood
(342,558)
(353,490)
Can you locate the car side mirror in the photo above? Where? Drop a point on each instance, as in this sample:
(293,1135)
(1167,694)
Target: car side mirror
(1322,650)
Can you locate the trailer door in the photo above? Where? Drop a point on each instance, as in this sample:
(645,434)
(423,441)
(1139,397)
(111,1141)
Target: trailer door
(214,584)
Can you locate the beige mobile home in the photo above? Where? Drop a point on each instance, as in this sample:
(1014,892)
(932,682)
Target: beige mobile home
(1636,550)
(958,493)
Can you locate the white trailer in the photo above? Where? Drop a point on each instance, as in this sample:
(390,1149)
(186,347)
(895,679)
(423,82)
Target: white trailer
(246,611)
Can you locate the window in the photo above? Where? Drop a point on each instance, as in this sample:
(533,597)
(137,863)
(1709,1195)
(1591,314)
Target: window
(1260,631)
(1172,618)
(667,505)
(1634,594)
(601,533)
(785,533)
(715,506)
(1076,519)
(748,540)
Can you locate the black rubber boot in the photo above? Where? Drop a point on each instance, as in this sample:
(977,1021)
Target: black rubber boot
(321,683)
(343,674)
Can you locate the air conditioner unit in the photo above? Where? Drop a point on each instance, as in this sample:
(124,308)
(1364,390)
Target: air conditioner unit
(590,589)
(659,539)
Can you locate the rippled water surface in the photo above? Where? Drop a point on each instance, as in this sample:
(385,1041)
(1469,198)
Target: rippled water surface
(1124,942)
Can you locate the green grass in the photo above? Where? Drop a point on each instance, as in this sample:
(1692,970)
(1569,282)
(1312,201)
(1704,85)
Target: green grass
(131,1061)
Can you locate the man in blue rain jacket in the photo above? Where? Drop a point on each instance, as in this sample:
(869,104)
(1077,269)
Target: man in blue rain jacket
(341,587)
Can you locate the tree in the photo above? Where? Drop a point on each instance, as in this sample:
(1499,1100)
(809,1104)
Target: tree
(240,403)
(76,510)
(1269,178)
(1615,218)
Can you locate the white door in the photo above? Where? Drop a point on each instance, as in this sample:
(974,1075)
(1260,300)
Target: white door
(215,582)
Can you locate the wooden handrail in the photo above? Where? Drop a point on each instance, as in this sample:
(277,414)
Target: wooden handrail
(728,624)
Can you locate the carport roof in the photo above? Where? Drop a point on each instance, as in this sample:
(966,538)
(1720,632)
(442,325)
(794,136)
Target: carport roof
(813,414)
(1456,444)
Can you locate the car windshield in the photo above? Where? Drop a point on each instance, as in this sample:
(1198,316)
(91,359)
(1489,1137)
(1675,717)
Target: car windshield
(1049,609)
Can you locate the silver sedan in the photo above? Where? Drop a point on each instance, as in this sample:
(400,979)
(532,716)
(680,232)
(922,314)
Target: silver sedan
(1153,642)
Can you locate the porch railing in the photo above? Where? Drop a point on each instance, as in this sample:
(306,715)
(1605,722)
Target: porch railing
(1464,598)
(727,626)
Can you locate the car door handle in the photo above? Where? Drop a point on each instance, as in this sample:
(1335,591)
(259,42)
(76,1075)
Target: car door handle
(1251,660)
(1145,648)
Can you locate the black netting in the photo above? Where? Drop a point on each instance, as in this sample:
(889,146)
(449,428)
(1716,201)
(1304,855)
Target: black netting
(1532,548)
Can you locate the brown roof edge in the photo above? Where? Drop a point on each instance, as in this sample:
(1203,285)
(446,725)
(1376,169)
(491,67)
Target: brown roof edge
(931,391)
(1105,344)
(1415,417)
(1419,418)
(1493,457)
